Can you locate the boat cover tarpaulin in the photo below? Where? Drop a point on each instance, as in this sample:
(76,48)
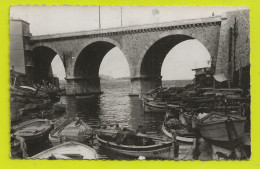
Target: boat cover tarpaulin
(220,78)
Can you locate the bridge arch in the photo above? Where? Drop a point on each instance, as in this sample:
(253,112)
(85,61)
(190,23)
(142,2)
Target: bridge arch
(153,56)
(47,45)
(82,46)
(41,57)
(87,63)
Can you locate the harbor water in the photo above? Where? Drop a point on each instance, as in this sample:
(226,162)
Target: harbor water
(114,106)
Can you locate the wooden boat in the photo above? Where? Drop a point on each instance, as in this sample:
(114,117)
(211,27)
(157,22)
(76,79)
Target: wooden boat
(34,131)
(154,106)
(68,150)
(149,148)
(18,147)
(183,135)
(212,126)
(71,130)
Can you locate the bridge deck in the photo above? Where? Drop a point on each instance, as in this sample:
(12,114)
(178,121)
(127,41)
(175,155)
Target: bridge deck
(128,28)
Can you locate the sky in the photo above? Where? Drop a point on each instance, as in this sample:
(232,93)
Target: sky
(62,19)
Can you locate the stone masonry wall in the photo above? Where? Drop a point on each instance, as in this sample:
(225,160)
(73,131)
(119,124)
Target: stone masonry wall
(241,48)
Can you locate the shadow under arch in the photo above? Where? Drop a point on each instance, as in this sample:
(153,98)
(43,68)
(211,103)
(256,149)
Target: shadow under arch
(42,57)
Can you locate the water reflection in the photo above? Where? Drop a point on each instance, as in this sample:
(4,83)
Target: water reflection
(113,108)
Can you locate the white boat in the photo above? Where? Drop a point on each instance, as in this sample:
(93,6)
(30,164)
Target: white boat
(68,150)
(182,134)
(212,126)
(34,131)
(185,137)
(71,130)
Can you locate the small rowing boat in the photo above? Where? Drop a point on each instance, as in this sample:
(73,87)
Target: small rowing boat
(71,130)
(136,145)
(34,131)
(68,150)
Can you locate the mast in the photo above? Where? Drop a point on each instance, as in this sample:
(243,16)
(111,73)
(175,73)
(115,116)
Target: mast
(99,19)
(121,16)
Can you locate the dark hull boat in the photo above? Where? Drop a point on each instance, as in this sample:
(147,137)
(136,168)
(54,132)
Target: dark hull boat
(34,131)
(68,150)
(151,149)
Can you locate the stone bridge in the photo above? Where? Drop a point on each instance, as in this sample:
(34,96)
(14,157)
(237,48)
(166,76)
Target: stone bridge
(144,47)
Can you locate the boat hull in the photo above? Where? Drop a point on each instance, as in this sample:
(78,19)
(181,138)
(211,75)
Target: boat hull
(164,151)
(153,108)
(34,138)
(68,150)
(218,131)
(178,138)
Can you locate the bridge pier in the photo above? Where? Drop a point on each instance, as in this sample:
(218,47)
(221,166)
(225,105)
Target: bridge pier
(82,85)
(145,83)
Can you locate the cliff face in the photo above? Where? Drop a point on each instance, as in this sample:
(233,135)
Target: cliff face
(234,45)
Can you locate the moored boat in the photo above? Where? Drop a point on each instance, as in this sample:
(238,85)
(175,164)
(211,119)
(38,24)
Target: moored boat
(34,131)
(173,125)
(71,130)
(214,126)
(149,148)
(68,150)
(154,106)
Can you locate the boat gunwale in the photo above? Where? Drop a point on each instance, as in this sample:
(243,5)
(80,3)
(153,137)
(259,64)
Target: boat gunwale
(62,126)
(135,148)
(64,144)
(30,122)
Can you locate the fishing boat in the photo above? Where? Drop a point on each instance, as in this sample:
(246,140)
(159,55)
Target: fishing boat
(182,133)
(149,147)
(154,106)
(34,131)
(71,130)
(213,126)
(68,150)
